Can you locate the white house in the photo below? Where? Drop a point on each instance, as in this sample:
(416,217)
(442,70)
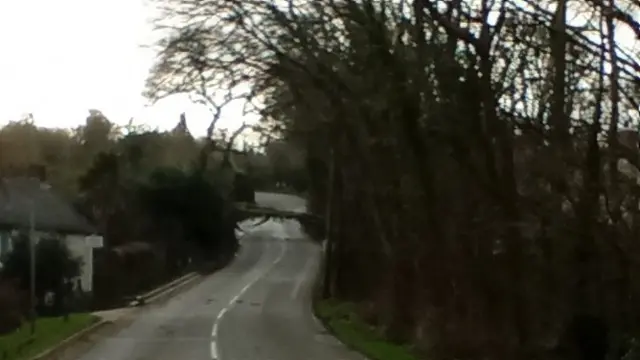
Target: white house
(25,201)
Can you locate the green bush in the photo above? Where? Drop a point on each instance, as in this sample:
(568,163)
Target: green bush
(10,307)
(195,203)
(54,266)
(243,189)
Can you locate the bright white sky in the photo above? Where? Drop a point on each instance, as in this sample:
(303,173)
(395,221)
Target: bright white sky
(61,58)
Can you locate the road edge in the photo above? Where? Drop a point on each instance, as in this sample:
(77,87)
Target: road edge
(71,340)
(156,296)
(324,322)
(316,291)
(316,286)
(168,290)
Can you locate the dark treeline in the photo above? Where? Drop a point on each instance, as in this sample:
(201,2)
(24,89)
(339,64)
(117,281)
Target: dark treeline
(479,189)
(161,210)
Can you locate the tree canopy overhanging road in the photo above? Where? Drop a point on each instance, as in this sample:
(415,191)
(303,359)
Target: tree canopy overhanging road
(256,308)
(475,162)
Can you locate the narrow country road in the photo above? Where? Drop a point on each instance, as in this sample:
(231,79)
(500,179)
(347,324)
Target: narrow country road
(258,308)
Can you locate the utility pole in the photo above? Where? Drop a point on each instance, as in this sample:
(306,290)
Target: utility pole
(32,266)
(329,240)
(32,233)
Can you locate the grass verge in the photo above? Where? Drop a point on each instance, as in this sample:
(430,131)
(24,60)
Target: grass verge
(20,345)
(342,321)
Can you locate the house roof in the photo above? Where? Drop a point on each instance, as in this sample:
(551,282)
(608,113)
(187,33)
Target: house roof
(51,212)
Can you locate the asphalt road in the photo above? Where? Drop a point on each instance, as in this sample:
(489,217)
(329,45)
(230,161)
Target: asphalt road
(258,308)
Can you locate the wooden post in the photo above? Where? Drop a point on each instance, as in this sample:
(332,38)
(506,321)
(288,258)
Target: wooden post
(329,241)
(32,267)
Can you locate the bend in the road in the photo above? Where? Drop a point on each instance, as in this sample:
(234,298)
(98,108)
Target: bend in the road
(258,308)
(236,298)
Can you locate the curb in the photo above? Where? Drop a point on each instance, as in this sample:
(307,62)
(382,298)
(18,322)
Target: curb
(69,341)
(169,291)
(151,295)
(330,330)
(315,297)
(164,291)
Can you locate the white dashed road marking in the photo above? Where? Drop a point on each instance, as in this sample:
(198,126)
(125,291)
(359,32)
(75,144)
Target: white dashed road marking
(215,355)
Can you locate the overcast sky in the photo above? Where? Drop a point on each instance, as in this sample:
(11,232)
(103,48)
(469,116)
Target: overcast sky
(61,58)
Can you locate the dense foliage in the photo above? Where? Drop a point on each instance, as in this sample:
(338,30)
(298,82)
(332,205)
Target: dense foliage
(55,267)
(471,157)
(11,311)
(160,209)
(201,210)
